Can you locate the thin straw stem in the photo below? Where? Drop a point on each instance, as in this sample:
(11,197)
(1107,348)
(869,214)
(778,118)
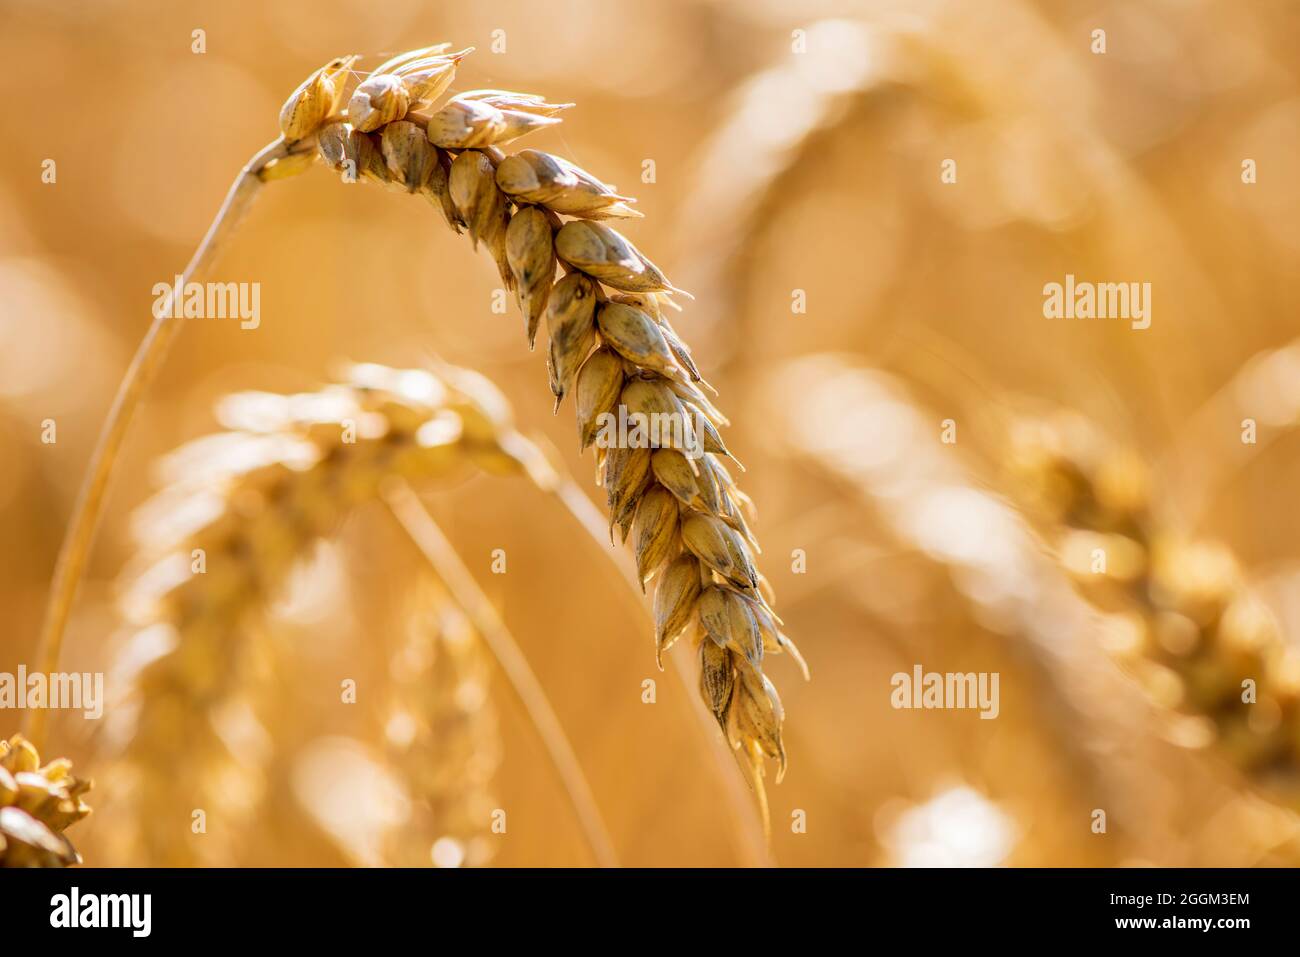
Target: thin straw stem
(446,563)
(80,534)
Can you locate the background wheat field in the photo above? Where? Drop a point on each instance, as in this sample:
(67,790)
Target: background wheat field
(866,200)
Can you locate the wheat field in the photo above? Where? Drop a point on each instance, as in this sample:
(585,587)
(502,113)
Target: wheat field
(997,311)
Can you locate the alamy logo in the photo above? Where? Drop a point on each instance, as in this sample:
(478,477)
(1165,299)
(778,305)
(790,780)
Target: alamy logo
(1104,300)
(133,911)
(209,300)
(77,690)
(946,690)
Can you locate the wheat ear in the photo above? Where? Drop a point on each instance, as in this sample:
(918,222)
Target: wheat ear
(37,804)
(1083,706)
(441,733)
(1196,638)
(241,510)
(611,345)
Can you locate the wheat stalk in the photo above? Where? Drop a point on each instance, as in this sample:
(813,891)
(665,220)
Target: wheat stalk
(247,505)
(37,803)
(148,359)
(1195,634)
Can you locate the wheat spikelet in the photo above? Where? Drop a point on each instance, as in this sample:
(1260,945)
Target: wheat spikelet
(1196,635)
(37,803)
(242,509)
(441,732)
(610,343)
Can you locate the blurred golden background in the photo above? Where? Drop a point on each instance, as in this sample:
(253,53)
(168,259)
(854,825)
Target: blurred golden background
(795,147)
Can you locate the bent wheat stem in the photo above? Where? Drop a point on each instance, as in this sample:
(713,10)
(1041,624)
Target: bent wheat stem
(433,544)
(148,359)
(1193,633)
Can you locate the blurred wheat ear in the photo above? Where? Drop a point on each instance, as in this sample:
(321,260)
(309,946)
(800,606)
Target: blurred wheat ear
(931,502)
(240,511)
(478,609)
(1194,635)
(441,733)
(420,797)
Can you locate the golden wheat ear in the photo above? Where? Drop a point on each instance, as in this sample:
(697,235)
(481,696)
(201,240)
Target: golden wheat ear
(611,346)
(38,802)
(240,510)
(609,303)
(1201,644)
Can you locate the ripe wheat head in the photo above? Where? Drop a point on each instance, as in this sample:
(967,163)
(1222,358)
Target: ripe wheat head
(37,803)
(610,344)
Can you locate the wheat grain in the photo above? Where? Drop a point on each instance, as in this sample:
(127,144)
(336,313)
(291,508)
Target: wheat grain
(37,804)
(618,349)
(406,82)
(1197,638)
(250,502)
(320,96)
